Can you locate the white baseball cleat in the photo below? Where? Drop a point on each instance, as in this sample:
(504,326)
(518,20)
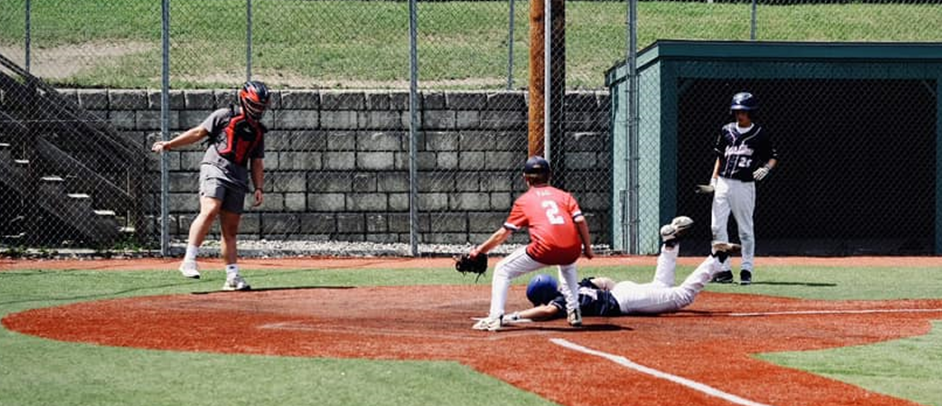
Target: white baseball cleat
(488,324)
(677,228)
(682,223)
(189,269)
(235,282)
(575,318)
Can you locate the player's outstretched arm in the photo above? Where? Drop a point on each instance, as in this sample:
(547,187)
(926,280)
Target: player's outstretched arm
(494,240)
(542,312)
(190,136)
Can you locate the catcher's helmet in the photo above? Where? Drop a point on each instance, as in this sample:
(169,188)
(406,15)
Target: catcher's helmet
(744,101)
(254,98)
(536,165)
(542,289)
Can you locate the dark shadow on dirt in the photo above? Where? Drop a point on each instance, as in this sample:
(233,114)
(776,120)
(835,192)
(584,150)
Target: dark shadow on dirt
(271,289)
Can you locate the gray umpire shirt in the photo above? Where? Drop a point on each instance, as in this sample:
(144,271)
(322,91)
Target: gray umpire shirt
(231,172)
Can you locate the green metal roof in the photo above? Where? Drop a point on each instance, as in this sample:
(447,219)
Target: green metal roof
(762,51)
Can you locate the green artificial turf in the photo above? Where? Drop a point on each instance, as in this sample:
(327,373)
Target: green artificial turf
(36,371)
(909,368)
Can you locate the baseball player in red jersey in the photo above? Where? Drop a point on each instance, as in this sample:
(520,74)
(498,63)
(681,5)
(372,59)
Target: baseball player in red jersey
(558,236)
(236,150)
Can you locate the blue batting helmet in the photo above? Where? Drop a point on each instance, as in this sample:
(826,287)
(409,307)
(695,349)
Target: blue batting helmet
(536,165)
(542,289)
(744,101)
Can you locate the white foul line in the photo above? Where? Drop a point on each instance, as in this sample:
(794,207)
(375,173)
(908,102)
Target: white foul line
(625,362)
(813,312)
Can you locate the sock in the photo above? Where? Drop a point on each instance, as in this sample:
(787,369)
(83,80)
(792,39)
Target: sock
(191,252)
(232,269)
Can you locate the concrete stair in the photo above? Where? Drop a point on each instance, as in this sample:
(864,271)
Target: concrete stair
(59,161)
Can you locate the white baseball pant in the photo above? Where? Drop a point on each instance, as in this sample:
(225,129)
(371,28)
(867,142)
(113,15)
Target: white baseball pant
(738,197)
(519,263)
(660,295)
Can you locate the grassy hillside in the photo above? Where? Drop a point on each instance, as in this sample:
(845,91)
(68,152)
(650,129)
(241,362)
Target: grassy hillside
(366,43)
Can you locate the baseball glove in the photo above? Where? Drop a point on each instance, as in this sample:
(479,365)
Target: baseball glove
(476,265)
(704,189)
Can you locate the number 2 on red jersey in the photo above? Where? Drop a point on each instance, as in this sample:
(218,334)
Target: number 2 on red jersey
(552,212)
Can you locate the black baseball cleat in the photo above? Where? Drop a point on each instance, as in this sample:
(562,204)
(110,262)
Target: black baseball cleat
(745,277)
(723,277)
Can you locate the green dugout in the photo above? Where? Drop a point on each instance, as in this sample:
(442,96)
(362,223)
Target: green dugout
(856,126)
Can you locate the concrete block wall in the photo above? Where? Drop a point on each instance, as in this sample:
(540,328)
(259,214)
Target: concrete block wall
(337,162)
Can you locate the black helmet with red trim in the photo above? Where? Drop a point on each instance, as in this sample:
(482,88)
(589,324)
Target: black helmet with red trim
(254,98)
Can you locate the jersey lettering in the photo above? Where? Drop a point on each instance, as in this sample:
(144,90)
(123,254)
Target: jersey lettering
(742,153)
(552,212)
(739,150)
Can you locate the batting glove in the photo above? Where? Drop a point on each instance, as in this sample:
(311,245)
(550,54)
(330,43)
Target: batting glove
(707,189)
(761,173)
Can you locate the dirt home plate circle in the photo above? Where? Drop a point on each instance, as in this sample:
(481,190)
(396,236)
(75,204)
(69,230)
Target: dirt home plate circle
(697,356)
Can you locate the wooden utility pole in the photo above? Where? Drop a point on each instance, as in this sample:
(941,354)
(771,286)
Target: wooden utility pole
(535,119)
(538,84)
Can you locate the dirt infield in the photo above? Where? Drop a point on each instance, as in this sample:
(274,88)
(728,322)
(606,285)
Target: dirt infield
(398,263)
(699,356)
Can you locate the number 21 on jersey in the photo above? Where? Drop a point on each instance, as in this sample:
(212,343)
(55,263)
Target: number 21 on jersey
(552,212)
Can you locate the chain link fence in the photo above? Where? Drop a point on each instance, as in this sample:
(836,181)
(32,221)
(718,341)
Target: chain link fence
(351,162)
(827,107)
(72,159)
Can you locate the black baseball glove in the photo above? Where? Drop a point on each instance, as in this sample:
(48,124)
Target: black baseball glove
(476,265)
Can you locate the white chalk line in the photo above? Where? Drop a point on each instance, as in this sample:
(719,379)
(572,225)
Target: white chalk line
(625,362)
(820,312)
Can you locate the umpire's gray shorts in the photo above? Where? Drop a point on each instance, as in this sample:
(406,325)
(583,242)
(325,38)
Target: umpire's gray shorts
(213,184)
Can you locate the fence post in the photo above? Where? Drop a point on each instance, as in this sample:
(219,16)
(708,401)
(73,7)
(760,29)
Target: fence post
(165,128)
(413,127)
(510,49)
(248,40)
(938,171)
(28,35)
(633,142)
(752,33)
(547,78)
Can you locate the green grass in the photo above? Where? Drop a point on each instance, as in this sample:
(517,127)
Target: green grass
(354,43)
(36,371)
(907,369)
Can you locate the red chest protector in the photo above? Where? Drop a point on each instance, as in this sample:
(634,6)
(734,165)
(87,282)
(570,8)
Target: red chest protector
(242,137)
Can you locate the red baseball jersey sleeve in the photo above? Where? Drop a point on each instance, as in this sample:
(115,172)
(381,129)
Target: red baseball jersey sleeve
(550,215)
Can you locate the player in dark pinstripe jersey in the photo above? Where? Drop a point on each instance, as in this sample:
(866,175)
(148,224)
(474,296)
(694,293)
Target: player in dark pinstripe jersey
(601,296)
(744,155)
